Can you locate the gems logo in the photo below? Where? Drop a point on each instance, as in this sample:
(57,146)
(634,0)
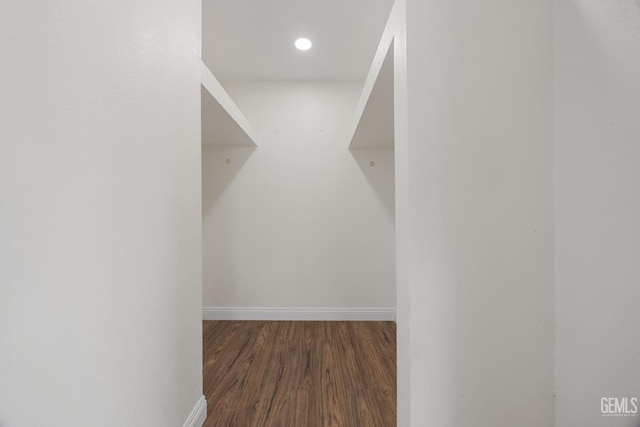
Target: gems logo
(619,406)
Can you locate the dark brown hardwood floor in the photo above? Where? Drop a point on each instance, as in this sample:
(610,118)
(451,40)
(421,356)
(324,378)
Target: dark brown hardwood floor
(300,374)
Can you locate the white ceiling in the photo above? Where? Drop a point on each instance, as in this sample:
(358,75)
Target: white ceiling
(253,39)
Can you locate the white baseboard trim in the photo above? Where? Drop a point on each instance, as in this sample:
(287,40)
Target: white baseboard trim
(198,414)
(299,313)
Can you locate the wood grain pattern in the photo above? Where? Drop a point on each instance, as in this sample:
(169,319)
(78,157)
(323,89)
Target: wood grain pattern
(299,374)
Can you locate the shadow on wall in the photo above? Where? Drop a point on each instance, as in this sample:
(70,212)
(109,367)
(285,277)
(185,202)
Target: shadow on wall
(221,165)
(228,161)
(377,165)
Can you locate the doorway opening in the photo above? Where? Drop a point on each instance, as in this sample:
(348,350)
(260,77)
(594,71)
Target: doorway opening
(298,168)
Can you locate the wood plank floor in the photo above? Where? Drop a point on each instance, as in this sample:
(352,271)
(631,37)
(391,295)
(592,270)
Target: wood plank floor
(300,374)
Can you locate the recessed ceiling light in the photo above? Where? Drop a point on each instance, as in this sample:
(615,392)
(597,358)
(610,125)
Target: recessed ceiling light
(303,44)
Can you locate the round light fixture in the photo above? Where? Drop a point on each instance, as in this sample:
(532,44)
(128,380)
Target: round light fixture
(303,44)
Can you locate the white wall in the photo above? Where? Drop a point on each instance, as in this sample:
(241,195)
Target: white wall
(477,282)
(597,176)
(301,220)
(100,229)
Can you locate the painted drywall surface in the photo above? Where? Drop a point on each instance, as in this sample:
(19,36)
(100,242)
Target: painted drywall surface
(253,40)
(597,192)
(222,122)
(100,227)
(374,116)
(396,30)
(480,213)
(301,220)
